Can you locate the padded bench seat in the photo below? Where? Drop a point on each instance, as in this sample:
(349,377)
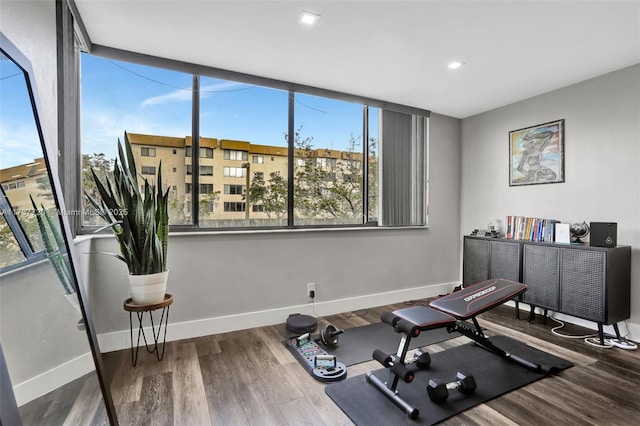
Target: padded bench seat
(461,305)
(478,298)
(424,318)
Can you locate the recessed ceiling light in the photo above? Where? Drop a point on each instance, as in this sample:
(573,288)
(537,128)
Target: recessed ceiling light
(455,65)
(309,18)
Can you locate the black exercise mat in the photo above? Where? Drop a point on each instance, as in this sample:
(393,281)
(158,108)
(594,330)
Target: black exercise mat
(357,344)
(365,405)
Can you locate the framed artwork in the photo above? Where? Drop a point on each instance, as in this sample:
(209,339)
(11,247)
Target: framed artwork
(536,154)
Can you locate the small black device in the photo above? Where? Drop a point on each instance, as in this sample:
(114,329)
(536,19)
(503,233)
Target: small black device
(604,234)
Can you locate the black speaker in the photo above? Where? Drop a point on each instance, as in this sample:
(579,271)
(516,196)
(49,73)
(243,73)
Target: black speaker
(603,234)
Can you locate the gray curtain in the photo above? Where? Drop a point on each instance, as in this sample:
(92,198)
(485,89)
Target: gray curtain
(403,154)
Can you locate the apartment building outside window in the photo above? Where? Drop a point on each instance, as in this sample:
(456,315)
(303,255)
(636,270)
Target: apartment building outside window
(323,167)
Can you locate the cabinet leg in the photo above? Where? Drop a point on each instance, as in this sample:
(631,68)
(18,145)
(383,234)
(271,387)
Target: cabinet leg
(532,313)
(617,330)
(601,333)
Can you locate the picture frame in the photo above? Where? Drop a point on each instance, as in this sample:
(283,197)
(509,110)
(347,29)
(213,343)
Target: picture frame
(536,154)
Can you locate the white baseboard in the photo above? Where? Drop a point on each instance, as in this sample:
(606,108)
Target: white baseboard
(119,340)
(48,381)
(632,332)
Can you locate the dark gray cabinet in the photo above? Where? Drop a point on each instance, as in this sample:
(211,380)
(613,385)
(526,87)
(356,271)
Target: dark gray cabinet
(486,258)
(592,283)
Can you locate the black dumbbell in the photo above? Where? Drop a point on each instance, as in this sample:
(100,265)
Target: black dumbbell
(439,391)
(422,358)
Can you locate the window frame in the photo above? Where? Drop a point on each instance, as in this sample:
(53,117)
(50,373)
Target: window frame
(198,71)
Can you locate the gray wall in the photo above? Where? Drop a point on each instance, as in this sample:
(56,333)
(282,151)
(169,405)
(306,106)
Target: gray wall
(602,162)
(233,274)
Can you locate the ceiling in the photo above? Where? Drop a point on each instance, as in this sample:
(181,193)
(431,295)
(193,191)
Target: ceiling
(395,51)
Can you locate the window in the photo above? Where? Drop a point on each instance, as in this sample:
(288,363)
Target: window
(23,174)
(234,189)
(234,206)
(230,154)
(121,97)
(235,172)
(332,178)
(206,188)
(13,185)
(148,152)
(329,129)
(148,170)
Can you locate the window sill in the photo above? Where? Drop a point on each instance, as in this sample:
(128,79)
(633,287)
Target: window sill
(86,234)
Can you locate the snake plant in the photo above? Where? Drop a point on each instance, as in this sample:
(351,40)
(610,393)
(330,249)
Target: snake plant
(139,218)
(53,242)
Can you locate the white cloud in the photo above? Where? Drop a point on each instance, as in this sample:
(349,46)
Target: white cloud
(181,95)
(178,95)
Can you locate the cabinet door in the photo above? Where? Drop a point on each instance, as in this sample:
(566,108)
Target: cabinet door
(540,273)
(582,284)
(505,260)
(475,267)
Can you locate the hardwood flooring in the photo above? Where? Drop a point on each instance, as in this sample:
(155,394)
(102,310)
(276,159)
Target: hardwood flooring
(249,378)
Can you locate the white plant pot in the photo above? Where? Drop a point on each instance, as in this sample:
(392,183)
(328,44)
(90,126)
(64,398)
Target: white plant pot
(148,289)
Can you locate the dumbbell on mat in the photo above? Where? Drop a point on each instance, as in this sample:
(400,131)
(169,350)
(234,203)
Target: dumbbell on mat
(439,391)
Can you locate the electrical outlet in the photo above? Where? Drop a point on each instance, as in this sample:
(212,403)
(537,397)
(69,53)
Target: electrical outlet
(311,290)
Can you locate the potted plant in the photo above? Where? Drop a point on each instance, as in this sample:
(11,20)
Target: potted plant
(139,218)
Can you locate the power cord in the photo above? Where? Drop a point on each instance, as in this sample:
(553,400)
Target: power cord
(594,340)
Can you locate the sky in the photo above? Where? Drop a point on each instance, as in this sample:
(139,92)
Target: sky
(19,140)
(119,96)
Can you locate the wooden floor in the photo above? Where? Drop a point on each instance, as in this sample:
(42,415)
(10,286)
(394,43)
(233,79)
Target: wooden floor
(249,378)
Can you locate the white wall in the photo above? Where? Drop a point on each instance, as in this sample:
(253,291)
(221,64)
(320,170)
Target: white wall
(230,281)
(602,163)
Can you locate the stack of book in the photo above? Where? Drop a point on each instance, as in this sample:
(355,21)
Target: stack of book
(530,228)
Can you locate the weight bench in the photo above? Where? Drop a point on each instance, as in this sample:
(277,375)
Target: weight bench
(451,311)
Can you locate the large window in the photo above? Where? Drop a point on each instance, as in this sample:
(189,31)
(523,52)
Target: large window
(153,105)
(285,158)
(328,183)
